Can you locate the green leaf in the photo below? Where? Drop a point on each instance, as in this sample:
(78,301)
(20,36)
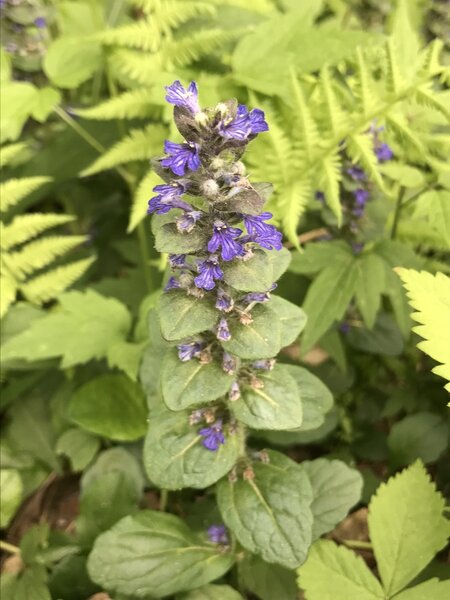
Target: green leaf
(423,435)
(328,298)
(318,256)
(212,592)
(13,191)
(169,239)
(405,175)
(119,460)
(369,286)
(29,583)
(12,489)
(174,456)
(189,383)
(406,513)
(69,578)
(259,272)
(46,99)
(259,339)
(430,296)
(333,571)
(316,398)
(182,316)
(126,356)
(431,589)
(435,206)
(270,514)
(336,489)
(384,338)
(138,554)
(17,100)
(267,581)
(79,446)
(277,405)
(141,198)
(70,61)
(91,324)
(292,319)
(112,406)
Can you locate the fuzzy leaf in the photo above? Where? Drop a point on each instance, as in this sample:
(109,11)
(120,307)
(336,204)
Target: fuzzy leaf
(169,239)
(259,339)
(182,316)
(292,319)
(212,592)
(259,273)
(267,581)
(316,398)
(79,446)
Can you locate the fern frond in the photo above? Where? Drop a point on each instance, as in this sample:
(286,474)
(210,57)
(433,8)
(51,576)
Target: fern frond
(306,132)
(138,66)
(427,97)
(395,81)
(137,145)
(330,176)
(183,51)
(335,117)
(8,290)
(25,227)
(360,148)
(144,35)
(129,105)
(10,152)
(430,65)
(172,13)
(263,7)
(14,190)
(401,128)
(142,196)
(49,285)
(40,253)
(365,88)
(293,201)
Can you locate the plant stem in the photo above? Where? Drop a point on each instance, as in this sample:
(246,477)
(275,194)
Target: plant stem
(398,207)
(357,544)
(163,498)
(87,137)
(7,547)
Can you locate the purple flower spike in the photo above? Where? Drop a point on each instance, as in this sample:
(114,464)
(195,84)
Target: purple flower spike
(238,128)
(186,223)
(259,296)
(225,236)
(262,233)
(224,301)
(168,197)
(218,534)
(177,261)
(212,436)
(209,271)
(178,95)
(189,351)
(223,331)
(229,363)
(40,22)
(384,153)
(172,284)
(180,157)
(356,173)
(257,121)
(361,196)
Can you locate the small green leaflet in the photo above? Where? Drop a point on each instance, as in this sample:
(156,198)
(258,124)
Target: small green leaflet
(182,316)
(259,272)
(259,339)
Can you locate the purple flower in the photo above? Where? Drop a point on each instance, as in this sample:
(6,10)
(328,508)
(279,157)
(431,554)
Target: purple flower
(244,124)
(384,152)
(262,233)
(218,534)
(264,365)
(178,95)
(188,351)
(257,121)
(168,197)
(229,363)
(259,296)
(40,22)
(212,436)
(172,284)
(223,331)
(177,260)
(356,173)
(186,223)
(225,236)
(224,301)
(181,156)
(361,196)
(209,271)
(235,392)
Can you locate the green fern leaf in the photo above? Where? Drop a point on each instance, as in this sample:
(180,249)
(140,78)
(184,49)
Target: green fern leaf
(426,96)
(25,227)
(306,132)
(365,88)
(172,13)
(130,105)
(335,117)
(183,51)
(430,65)
(141,198)
(293,202)
(400,126)
(14,190)
(40,253)
(143,35)
(137,145)
(395,81)
(429,295)
(330,176)
(49,285)
(361,150)
(138,66)
(8,290)
(10,152)
(263,7)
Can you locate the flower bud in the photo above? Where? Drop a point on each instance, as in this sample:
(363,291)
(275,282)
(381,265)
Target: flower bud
(210,188)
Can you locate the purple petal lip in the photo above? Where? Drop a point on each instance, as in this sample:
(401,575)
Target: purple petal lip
(178,95)
(181,157)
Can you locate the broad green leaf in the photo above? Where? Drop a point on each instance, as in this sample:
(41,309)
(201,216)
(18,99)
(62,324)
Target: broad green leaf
(126,356)
(112,406)
(70,61)
(430,296)
(318,256)
(182,316)
(174,456)
(259,272)
(316,398)
(116,460)
(292,319)
(259,339)
(277,405)
(333,572)
(79,446)
(91,324)
(336,489)
(69,578)
(384,338)
(270,513)
(212,592)
(169,239)
(267,581)
(433,589)
(11,491)
(190,383)
(149,376)
(423,435)
(17,99)
(31,583)
(369,287)
(435,206)
(405,514)
(405,175)
(138,555)
(328,298)
(46,99)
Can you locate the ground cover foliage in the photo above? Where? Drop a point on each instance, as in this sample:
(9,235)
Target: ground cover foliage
(174,425)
